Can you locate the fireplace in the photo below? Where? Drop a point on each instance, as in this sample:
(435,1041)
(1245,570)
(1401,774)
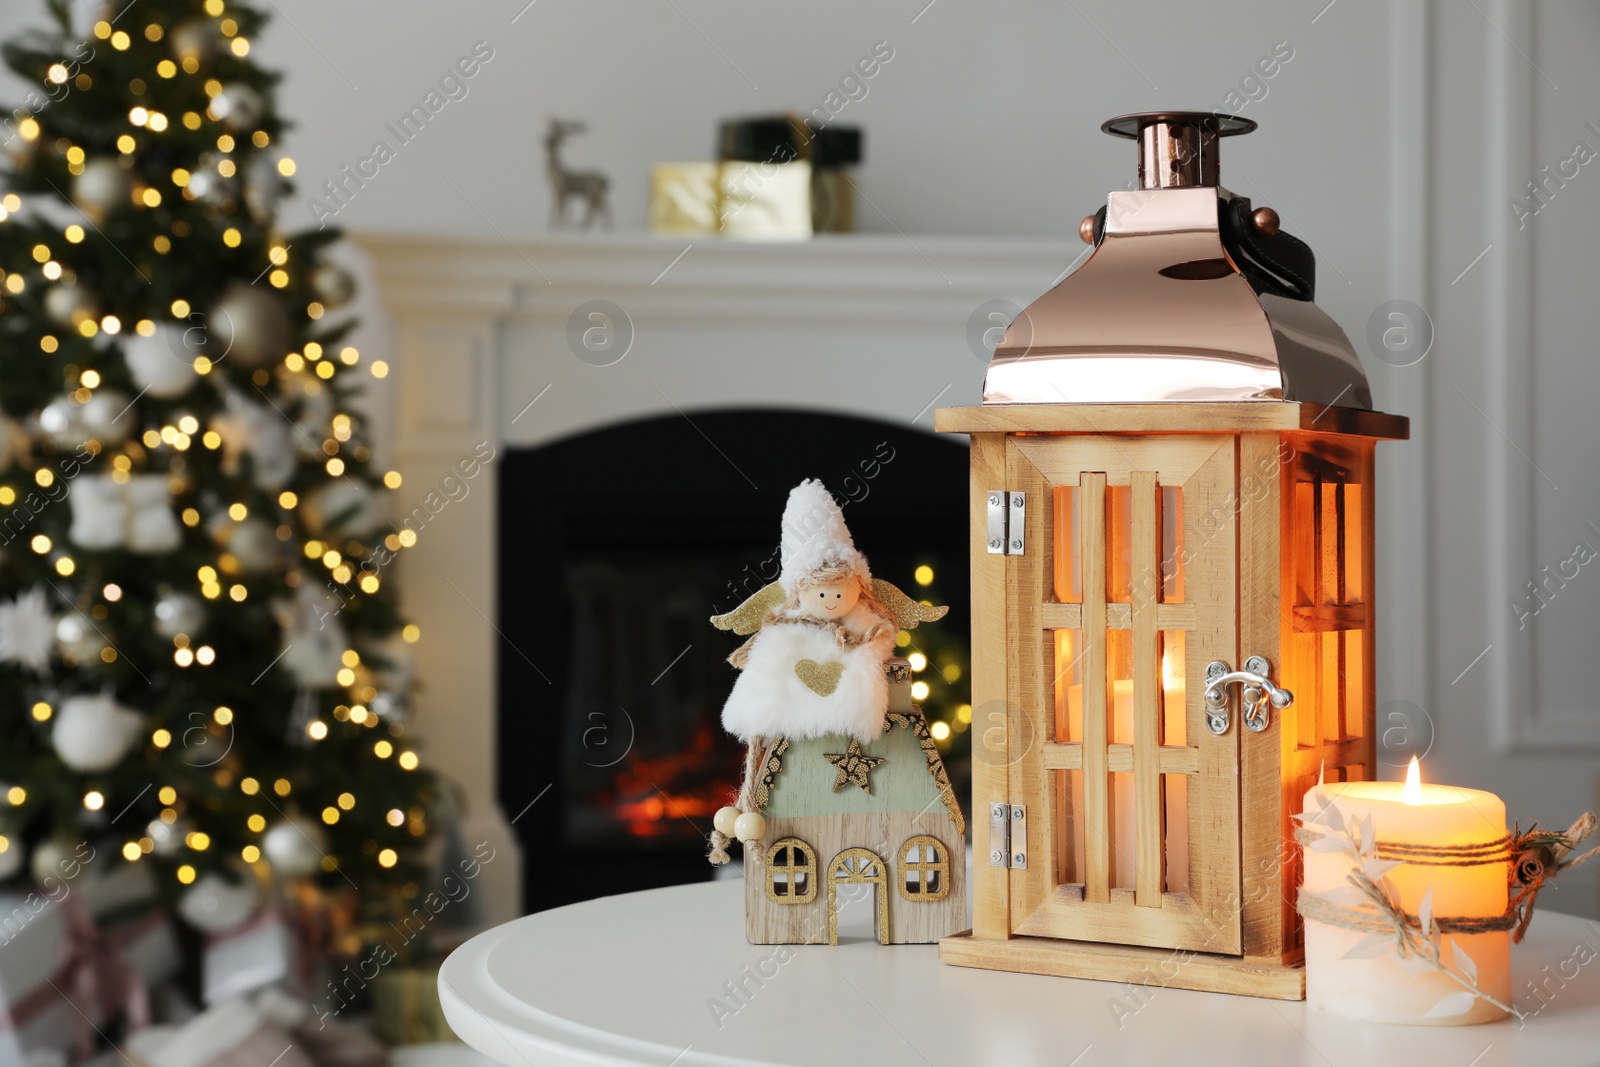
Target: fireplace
(871,325)
(615,546)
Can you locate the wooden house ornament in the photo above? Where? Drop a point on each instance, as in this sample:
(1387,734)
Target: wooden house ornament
(1173,590)
(844,786)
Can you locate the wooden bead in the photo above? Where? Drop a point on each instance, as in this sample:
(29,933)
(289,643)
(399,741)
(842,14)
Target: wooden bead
(749,826)
(724,820)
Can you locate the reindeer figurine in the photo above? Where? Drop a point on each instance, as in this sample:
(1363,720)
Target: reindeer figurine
(590,185)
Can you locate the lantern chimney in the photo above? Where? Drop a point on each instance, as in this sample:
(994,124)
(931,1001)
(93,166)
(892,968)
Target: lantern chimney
(1190,294)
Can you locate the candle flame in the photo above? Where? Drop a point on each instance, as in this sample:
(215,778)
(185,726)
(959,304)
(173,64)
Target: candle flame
(1413,790)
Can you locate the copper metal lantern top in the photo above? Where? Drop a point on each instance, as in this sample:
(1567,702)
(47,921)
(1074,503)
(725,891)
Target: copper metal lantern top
(1184,297)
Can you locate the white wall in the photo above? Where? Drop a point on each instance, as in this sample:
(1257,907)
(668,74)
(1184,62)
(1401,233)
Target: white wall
(1390,141)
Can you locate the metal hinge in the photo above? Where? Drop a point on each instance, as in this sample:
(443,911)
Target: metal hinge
(1007,512)
(1008,836)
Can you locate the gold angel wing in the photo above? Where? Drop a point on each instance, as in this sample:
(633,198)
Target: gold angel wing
(746,618)
(907,612)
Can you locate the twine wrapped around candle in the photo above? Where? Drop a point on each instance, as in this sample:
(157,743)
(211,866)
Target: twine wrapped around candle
(1532,859)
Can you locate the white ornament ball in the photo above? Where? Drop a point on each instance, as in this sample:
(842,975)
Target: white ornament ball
(724,820)
(11,858)
(294,848)
(178,613)
(253,542)
(750,826)
(333,285)
(196,39)
(214,905)
(93,733)
(166,838)
(108,417)
(264,185)
(249,324)
(388,706)
(345,507)
(78,639)
(239,106)
(203,184)
(53,862)
(163,363)
(62,422)
(102,188)
(68,303)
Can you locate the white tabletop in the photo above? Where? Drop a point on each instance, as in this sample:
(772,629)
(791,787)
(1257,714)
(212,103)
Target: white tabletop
(635,979)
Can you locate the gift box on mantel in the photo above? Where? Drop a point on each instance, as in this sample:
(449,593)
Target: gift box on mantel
(1173,589)
(777,178)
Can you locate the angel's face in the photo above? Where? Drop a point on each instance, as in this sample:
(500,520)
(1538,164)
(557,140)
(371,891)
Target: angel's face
(832,600)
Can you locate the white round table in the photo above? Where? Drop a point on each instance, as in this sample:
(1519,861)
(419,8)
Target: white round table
(666,977)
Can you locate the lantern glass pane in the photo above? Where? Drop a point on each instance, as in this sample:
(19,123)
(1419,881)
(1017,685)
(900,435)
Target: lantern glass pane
(1331,696)
(1068,554)
(1124,842)
(1069,686)
(1353,560)
(1119,544)
(1354,684)
(1119,686)
(1172,568)
(1069,823)
(1175,794)
(1174,691)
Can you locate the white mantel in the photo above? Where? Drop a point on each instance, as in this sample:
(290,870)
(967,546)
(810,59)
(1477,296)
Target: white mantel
(874,326)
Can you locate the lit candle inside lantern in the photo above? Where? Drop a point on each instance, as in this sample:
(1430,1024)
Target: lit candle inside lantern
(1447,838)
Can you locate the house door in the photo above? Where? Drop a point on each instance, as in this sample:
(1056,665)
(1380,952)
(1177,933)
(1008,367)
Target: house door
(1124,595)
(858,866)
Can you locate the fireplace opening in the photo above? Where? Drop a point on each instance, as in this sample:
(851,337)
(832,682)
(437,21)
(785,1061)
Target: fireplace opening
(614,549)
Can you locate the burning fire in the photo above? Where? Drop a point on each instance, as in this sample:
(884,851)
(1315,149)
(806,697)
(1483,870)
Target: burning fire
(653,793)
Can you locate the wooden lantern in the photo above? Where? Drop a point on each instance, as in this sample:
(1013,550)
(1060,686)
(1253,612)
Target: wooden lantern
(1173,593)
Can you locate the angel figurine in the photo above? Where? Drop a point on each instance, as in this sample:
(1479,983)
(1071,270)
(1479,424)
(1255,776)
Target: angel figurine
(820,638)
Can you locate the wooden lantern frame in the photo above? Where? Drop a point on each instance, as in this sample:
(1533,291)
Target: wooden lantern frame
(1278,516)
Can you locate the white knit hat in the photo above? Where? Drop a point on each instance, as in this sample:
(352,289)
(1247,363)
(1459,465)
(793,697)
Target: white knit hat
(814,535)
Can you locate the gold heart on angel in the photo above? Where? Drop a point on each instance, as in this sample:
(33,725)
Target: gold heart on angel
(821,678)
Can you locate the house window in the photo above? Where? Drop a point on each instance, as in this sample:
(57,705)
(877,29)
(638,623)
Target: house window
(924,869)
(791,872)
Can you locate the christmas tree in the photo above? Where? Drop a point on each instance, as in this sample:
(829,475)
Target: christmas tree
(202,666)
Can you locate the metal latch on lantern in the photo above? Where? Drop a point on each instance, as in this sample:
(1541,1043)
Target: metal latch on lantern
(1008,836)
(1256,691)
(1007,512)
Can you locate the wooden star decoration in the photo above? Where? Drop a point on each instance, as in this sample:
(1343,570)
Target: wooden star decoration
(854,766)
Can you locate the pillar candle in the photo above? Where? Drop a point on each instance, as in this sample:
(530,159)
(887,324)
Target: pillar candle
(1381,988)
